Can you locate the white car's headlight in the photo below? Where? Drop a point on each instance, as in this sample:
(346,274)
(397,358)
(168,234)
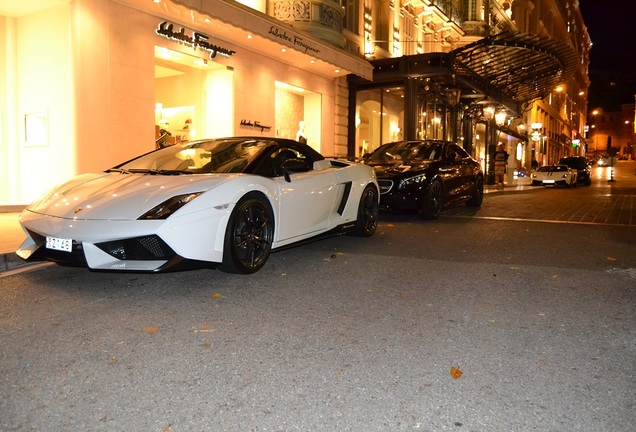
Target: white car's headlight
(411,181)
(169,206)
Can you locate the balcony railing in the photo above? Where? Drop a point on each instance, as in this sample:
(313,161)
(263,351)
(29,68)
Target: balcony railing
(320,18)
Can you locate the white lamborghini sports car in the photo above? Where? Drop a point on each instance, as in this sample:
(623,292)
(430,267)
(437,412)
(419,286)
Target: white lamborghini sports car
(223,203)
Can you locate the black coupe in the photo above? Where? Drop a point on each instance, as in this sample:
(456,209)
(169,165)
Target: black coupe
(426,176)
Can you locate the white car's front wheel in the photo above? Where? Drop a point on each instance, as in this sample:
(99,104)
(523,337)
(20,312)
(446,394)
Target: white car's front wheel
(249,236)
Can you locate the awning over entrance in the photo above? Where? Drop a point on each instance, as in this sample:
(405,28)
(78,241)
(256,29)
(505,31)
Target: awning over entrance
(515,67)
(249,28)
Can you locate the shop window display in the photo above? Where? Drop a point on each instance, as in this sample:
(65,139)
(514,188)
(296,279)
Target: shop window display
(188,92)
(379,118)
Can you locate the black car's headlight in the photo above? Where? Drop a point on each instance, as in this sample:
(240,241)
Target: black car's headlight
(412,181)
(169,206)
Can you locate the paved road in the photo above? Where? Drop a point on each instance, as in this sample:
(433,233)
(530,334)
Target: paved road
(346,334)
(605,202)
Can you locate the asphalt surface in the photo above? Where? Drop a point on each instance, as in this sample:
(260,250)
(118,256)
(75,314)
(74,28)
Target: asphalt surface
(346,334)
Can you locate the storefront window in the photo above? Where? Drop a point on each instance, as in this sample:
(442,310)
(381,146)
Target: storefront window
(298,114)
(479,143)
(435,119)
(193,98)
(379,118)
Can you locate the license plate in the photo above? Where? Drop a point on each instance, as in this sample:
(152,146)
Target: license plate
(548,181)
(59,244)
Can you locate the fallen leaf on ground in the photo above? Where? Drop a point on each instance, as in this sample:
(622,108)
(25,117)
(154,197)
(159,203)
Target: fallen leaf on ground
(216,295)
(455,372)
(151,330)
(205,328)
(612,259)
(555,276)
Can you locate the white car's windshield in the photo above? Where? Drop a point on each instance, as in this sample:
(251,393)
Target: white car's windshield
(215,156)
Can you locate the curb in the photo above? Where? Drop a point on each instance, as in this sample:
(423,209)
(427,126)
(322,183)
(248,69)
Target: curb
(12,264)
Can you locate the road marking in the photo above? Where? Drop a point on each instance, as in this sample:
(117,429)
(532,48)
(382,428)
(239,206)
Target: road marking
(539,220)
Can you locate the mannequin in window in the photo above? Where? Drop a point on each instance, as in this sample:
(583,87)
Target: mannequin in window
(164,138)
(300,135)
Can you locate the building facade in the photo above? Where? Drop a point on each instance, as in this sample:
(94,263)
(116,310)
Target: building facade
(477,72)
(612,133)
(90,83)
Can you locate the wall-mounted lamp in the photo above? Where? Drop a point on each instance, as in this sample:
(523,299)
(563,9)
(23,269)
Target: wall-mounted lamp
(500,118)
(489,113)
(521,128)
(453,95)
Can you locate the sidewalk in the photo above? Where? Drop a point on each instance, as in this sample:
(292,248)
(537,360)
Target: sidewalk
(12,236)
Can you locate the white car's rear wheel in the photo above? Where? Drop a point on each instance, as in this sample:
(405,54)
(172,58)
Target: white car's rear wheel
(249,235)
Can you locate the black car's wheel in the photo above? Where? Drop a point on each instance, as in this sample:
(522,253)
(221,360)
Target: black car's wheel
(368,211)
(432,202)
(249,235)
(588,181)
(478,193)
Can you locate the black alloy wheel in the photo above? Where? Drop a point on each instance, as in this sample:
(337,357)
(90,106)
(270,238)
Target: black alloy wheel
(249,236)
(478,193)
(368,211)
(432,202)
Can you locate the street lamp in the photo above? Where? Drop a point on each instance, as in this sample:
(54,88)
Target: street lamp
(494,120)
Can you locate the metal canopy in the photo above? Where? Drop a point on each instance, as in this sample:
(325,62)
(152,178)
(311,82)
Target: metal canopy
(514,67)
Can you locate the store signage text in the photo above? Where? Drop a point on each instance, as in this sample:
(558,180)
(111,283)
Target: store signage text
(254,124)
(196,40)
(294,40)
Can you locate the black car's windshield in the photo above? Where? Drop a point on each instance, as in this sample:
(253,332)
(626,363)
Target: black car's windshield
(406,152)
(574,162)
(215,156)
(553,168)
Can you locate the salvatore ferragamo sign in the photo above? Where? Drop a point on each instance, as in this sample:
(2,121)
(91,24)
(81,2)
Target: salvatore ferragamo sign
(195,40)
(292,39)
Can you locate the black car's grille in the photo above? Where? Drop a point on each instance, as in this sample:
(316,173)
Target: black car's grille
(140,248)
(385,185)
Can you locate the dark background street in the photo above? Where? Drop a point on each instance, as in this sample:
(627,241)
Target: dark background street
(532,297)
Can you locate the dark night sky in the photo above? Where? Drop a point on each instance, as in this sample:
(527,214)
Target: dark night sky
(612,28)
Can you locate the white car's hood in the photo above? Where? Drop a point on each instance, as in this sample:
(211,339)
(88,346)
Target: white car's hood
(118,196)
